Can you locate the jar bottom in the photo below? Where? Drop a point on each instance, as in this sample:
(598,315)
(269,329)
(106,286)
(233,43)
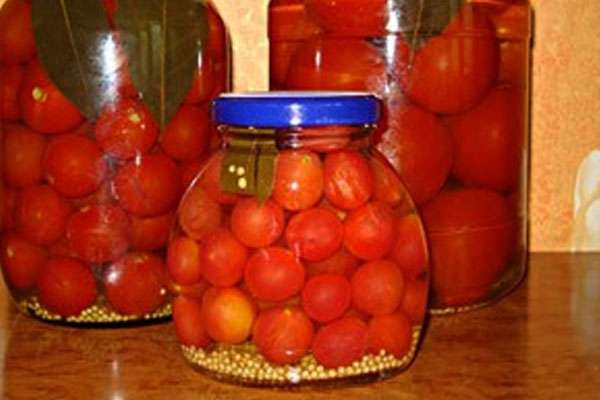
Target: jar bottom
(244,365)
(96,315)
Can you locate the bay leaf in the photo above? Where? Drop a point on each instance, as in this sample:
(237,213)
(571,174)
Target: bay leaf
(163,40)
(71,38)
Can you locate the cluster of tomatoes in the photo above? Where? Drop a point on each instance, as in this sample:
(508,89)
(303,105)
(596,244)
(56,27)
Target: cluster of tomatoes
(455,108)
(87,206)
(333,263)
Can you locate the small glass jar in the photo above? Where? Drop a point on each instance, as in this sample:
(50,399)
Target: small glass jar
(104,116)
(454,80)
(298,254)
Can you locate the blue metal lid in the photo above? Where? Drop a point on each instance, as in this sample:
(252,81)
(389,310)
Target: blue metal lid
(296,109)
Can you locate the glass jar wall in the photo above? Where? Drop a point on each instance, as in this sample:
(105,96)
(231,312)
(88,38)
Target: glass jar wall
(454,79)
(298,252)
(104,117)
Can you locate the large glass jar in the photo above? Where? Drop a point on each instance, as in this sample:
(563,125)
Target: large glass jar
(104,117)
(299,255)
(454,79)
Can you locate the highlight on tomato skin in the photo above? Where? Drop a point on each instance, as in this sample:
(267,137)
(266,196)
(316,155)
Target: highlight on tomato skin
(348,179)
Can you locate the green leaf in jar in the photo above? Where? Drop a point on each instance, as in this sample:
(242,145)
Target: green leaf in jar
(162,40)
(73,41)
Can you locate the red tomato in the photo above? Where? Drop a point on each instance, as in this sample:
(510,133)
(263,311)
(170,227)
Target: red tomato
(419,147)
(17,44)
(326,139)
(43,107)
(257,225)
(452,71)
(350,17)
(21,261)
(334,64)
(387,185)
(126,129)
(11,77)
(203,85)
(298,179)
(513,28)
(391,333)
(369,231)
(410,247)
(188,170)
(195,291)
(228,315)
(341,263)
(66,287)
(489,141)
(211,181)
(340,343)
(223,258)
(42,214)
(218,41)
(135,284)
(74,165)
(99,233)
(471,235)
(283,335)
(288,20)
(326,297)
(103,195)
(377,287)
(151,233)
(274,274)
(348,179)
(187,319)
(414,302)
(184,261)
(9,199)
(280,59)
(22,154)
(149,187)
(187,135)
(198,213)
(315,234)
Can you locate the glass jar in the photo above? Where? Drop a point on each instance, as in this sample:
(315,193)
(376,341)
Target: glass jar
(454,79)
(104,117)
(299,254)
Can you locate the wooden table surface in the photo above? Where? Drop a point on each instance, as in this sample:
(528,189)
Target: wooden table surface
(542,342)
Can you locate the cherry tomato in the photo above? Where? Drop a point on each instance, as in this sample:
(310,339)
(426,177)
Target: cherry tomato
(414,302)
(218,42)
(211,181)
(283,335)
(99,233)
(187,319)
(187,135)
(149,187)
(228,315)
(11,77)
(298,179)
(66,286)
(9,198)
(410,247)
(513,28)
(198,213)
(257,225)
(280,59)
(377,287)
(334,64)
(369,231)
(489,140)
(42,214)
(126,129)
(22,154)
(223,258)
(43,107)
(188,170)
(348,179)
(419,147)
(74,165)
(392,333)
(341,263)
(195,291)
(184,261)
(21,261)
(350,17)
(326,297)
(274,274)
(17,44)
(340,343)
(151,233)
(326,139)
(387,185)
(203,85)
(451,72)
(315,234)
(135,284)
(471,235)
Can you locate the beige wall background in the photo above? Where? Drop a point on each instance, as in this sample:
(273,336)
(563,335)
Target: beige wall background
(565,108)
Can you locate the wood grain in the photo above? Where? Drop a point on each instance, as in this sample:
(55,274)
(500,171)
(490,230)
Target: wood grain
(543,342)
